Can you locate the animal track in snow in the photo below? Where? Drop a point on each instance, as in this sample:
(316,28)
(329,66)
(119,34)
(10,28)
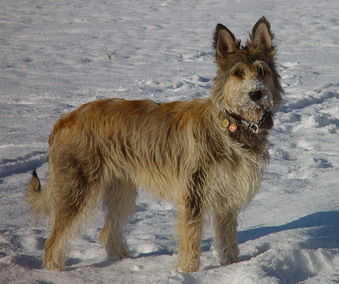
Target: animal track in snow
(22,164)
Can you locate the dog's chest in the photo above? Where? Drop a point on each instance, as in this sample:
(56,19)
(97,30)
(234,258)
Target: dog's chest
(236,178)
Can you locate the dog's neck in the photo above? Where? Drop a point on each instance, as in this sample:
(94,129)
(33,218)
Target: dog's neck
(233,121)
(247,134)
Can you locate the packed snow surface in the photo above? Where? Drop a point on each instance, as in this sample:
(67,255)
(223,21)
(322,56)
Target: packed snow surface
(57,55)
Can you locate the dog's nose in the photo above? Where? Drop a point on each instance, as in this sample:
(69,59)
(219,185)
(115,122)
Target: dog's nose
(255,96)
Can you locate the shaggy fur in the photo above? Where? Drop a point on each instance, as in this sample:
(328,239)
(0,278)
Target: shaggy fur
(205,155)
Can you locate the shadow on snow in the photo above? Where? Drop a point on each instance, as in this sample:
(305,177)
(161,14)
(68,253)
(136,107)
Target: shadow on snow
(327,221)
(325,234)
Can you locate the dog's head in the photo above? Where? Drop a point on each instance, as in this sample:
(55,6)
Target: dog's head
(247,83)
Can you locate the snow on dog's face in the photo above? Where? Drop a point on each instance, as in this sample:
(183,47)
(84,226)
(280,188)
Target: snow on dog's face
(247,93)
(247,83)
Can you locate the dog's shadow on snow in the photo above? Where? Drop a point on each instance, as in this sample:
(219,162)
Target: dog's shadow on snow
(33,262)
(27,261)
(324,235)
(326,225)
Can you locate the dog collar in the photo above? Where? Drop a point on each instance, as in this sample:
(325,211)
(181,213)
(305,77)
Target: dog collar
(232,123)
(232,127)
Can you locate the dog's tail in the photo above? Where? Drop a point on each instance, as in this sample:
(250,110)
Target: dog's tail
(36,196)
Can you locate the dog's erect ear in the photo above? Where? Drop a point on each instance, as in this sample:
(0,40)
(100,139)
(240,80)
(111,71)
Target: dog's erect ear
(224,41)
(262,36)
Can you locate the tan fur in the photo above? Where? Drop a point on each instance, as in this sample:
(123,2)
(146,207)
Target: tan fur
(178,151)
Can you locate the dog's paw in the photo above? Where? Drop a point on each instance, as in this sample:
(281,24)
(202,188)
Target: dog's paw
(187,268)
(225,256)
(117,254)
(188,265)
(52,265)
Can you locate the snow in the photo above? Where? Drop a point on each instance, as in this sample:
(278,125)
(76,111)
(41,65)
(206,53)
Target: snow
(57,55)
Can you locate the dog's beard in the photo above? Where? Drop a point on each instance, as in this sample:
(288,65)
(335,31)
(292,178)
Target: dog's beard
(266,121)
(252,111)
(259,116)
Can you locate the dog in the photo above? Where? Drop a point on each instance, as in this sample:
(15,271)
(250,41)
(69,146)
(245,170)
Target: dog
(207,156)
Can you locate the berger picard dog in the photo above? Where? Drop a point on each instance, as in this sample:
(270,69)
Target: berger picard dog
(205,155)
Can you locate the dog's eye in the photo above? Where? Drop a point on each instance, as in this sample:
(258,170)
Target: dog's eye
(239,74)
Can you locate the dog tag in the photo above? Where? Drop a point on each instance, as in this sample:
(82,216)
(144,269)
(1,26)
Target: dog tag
(225,123)
(233,127)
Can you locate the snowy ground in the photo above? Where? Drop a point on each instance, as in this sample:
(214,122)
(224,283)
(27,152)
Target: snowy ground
(57,55)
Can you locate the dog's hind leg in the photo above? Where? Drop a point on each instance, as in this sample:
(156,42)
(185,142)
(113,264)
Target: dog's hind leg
(75,197)
(225,246)
(119,202)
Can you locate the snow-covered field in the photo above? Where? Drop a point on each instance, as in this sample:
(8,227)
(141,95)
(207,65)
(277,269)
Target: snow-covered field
(57,55)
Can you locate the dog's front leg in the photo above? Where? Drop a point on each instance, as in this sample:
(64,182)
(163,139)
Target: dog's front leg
(225,246)
(190,223)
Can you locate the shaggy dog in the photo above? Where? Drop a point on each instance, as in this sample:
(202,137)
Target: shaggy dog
(205,155)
